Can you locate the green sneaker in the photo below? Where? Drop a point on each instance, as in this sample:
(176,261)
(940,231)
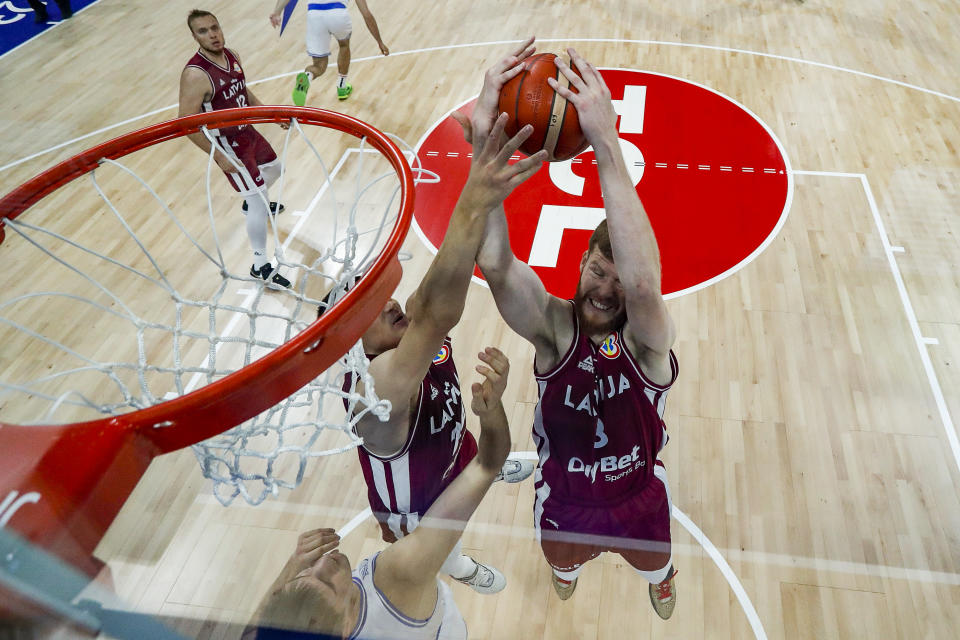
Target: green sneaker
(344,92)
(301,88)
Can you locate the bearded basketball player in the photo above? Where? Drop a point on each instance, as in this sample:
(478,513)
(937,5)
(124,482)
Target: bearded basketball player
(213,79)
(603,365)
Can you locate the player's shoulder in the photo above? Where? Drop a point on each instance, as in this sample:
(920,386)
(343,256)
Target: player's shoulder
(195,66)
(556,333)
(560,318)
(659,366)
(195,79)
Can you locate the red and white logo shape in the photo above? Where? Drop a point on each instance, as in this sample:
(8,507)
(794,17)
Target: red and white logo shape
(610,347)
(714,181)
(442,356)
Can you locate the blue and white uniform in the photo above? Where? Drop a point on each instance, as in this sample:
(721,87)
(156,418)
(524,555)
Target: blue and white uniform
(326,20)
(380,620)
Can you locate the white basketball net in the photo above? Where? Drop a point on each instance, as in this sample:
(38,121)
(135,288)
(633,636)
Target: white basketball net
(134,318)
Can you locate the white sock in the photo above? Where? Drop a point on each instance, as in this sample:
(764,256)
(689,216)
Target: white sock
(310,75)
(257,213)
(259,259)
(462,567)
(270,172)
(343,81)
(569,576)
(656,577)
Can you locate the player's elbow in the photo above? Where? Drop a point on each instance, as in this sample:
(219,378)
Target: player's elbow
(495,268)
(433,309)
(646,284)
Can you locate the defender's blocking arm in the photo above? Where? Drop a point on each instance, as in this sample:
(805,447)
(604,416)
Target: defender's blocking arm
(415,560)
(437,304)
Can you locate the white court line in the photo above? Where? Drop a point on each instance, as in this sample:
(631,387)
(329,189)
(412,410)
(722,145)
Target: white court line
(888,249)
(251,293)
(354,523)
(198,377)
(725,569)
(321,514)
(396,54)
(316,198)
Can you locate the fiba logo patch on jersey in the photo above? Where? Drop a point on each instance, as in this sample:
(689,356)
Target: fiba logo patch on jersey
(442,356)
(610,347)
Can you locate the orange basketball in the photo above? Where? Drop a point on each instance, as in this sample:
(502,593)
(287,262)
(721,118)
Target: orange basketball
(528,99)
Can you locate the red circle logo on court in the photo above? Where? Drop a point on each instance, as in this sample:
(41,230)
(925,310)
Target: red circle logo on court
(712,177)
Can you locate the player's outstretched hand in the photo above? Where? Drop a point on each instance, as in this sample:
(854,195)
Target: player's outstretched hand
(311,545)
(487,394)
(492,176)
(476,128)
(224,163)
(383,49)
(276,18)
(592,99)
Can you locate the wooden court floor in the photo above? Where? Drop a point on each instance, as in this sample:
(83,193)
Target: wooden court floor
(813,461)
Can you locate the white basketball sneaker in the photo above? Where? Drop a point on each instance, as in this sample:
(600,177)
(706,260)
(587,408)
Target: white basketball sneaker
(663,596)
(485,579)
(514,471)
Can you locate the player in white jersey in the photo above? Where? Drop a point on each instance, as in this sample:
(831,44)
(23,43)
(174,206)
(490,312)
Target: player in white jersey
(327,21)
(395,594)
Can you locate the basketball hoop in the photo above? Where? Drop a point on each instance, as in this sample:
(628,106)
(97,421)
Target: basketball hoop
(278,375)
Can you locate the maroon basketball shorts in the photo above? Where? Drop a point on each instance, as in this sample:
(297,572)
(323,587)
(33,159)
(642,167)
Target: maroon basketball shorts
(253,151)
(638,528)
(395,525)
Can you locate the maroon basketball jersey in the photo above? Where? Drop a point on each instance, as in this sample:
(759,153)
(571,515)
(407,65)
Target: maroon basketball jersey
(598,425)
(228,84)
(437,449)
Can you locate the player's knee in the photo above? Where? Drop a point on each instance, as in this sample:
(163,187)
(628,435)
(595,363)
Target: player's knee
(271,172)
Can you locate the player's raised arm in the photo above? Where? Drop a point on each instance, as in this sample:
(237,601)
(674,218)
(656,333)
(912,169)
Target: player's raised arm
(372,25)
(437,304)
(410,566)
(634,244)
(520,295)
(521,298)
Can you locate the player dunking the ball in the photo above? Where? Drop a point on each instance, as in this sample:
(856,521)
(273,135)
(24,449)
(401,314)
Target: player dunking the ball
(603,366)
(326,21)
(213,79)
